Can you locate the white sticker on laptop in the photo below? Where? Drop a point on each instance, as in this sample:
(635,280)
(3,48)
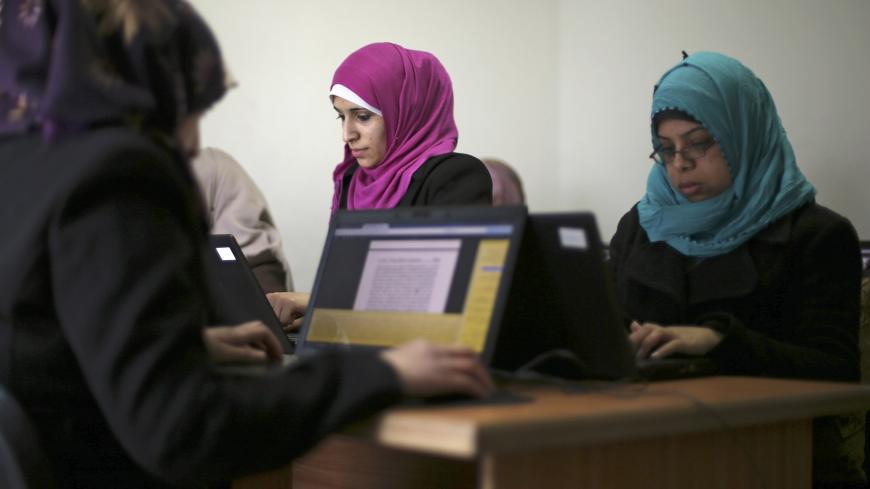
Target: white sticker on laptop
(573,238)
(226,253)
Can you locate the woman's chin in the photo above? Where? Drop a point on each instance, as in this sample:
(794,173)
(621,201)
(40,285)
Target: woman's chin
(367,163)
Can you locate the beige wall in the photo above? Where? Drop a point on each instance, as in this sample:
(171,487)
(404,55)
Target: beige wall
(561,89)
(813,56)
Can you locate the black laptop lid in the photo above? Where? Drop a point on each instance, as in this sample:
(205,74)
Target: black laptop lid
(239,297)
(389,276)
(561,312)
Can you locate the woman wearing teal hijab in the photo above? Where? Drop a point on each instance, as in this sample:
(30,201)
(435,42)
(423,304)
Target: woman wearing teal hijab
(727,255)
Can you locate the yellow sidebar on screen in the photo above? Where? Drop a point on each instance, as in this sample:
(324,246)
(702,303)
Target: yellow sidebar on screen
(382,328)
(391,328)
(482,291)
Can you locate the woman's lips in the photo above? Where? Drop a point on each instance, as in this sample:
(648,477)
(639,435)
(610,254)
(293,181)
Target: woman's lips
(690,188)
(357,152)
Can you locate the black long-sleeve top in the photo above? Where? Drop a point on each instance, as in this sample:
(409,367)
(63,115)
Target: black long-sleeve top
(448,179)
(102,305)
(787,301)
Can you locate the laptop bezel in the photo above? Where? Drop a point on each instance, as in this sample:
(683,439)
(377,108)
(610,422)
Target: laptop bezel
(513,215)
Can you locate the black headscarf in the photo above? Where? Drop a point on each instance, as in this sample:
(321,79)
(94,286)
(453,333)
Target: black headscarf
(67,65)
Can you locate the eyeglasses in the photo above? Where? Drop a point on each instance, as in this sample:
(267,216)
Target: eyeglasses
(666,156)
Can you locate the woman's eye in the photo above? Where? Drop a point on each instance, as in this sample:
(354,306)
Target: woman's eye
(703,144)
(363,116)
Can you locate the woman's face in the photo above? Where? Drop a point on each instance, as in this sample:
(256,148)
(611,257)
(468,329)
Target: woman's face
(363,132)
(705,174)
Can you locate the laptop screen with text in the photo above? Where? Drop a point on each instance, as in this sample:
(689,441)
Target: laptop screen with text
(388,277)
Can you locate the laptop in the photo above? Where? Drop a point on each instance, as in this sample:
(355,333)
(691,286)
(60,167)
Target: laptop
(390,276)
(562,317)
(238,296)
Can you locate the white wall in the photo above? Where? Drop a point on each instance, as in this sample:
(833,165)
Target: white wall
(813,56)
(559,88)
(280,125)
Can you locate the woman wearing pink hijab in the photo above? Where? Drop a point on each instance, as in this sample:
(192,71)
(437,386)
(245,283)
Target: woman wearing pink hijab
(396,112)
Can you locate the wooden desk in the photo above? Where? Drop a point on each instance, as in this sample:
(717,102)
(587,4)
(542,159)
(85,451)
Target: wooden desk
(719,432)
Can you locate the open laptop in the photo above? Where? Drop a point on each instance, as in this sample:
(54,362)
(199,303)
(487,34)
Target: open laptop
(562,318)
(238,296)
(389,276)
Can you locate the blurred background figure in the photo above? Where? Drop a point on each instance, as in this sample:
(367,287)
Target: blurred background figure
(507,188)
(236,206)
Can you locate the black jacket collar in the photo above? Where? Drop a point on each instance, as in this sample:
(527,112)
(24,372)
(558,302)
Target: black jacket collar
(660,267)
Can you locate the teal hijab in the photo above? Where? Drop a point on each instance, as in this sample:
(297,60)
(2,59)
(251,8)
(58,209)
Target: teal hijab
(738,111)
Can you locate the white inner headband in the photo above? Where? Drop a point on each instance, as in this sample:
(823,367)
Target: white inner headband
(346,93)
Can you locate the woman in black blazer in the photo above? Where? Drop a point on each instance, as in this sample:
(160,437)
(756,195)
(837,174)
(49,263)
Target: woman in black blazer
(728,255)
(103,299)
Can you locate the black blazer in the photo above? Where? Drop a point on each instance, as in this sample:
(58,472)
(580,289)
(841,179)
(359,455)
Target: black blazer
(786,301)
(102,304)
(448,179)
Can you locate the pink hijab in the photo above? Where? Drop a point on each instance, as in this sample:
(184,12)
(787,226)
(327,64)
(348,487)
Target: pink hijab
(412,91)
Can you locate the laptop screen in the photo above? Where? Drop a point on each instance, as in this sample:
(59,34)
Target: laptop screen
(388,277)
(236,294)
(562,315)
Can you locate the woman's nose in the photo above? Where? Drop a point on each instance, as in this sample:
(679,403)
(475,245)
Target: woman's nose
(348,132)
(682,163)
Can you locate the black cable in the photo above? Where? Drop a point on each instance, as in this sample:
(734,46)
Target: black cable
(582,378)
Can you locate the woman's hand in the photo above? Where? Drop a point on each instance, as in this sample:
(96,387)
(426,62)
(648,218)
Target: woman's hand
(289,307)
(250,342)
(656,341)
(426,369)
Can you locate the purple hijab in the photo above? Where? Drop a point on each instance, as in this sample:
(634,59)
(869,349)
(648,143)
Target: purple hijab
(413,92)
(67,65)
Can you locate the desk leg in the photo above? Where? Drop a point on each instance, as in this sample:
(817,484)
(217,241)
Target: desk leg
(764,457)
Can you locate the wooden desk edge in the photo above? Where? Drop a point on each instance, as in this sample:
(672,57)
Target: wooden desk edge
(455,436)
